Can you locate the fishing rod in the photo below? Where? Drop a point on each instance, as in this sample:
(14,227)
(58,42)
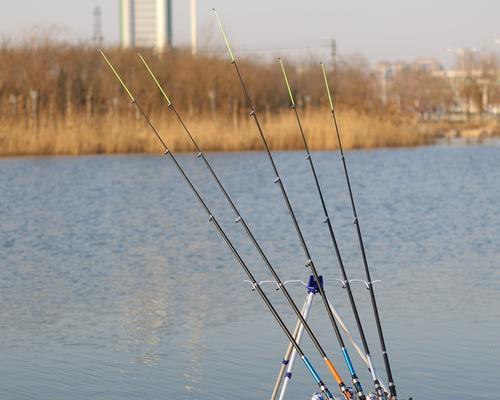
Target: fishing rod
(378,388)
(239,219)
(278,180)
(369,282)
(211,218)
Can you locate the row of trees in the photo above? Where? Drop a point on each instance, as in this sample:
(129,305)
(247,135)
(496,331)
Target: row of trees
(61,79)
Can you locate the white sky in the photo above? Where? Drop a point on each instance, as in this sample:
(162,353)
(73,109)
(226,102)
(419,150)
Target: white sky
(378,29)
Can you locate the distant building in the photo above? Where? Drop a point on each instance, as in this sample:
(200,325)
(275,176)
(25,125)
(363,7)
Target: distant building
(146,23)
(387,71)
(483,79)
(474,90)
(430,65)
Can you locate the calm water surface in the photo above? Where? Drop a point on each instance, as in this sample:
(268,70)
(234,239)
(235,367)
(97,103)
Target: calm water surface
(113,285)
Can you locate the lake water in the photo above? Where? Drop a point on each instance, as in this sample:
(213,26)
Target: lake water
(113,285)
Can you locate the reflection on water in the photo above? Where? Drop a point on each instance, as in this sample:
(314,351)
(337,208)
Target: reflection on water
(113,285)
(194,345)
(145,316)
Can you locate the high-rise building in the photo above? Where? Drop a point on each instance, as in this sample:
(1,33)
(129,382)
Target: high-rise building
(146,23)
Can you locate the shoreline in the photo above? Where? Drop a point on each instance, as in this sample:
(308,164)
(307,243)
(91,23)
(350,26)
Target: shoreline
(439,142)
(125,133)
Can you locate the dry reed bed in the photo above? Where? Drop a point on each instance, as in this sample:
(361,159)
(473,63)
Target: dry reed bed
(128,133)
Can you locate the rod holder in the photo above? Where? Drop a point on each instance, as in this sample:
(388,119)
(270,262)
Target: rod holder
(312,285)
(367,284)
(276,283)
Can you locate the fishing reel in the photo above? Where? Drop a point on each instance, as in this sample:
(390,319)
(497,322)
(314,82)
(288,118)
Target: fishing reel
(352,394)
(320,396)
(387,396)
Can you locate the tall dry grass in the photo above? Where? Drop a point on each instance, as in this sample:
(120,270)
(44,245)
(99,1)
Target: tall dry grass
(128,133)
(57,98)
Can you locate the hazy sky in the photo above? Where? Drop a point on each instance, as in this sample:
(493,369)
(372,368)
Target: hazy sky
(378,29)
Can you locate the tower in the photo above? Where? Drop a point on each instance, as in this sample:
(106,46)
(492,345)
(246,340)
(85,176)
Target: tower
(146,23)
(98,37)
(333,45)
(194,28)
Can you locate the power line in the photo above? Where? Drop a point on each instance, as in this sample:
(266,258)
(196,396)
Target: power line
(322,45)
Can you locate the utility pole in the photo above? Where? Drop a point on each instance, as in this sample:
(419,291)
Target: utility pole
(98,37)
(194,28)
(334,53)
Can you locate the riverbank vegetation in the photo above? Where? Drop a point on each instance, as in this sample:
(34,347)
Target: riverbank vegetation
(60,98)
